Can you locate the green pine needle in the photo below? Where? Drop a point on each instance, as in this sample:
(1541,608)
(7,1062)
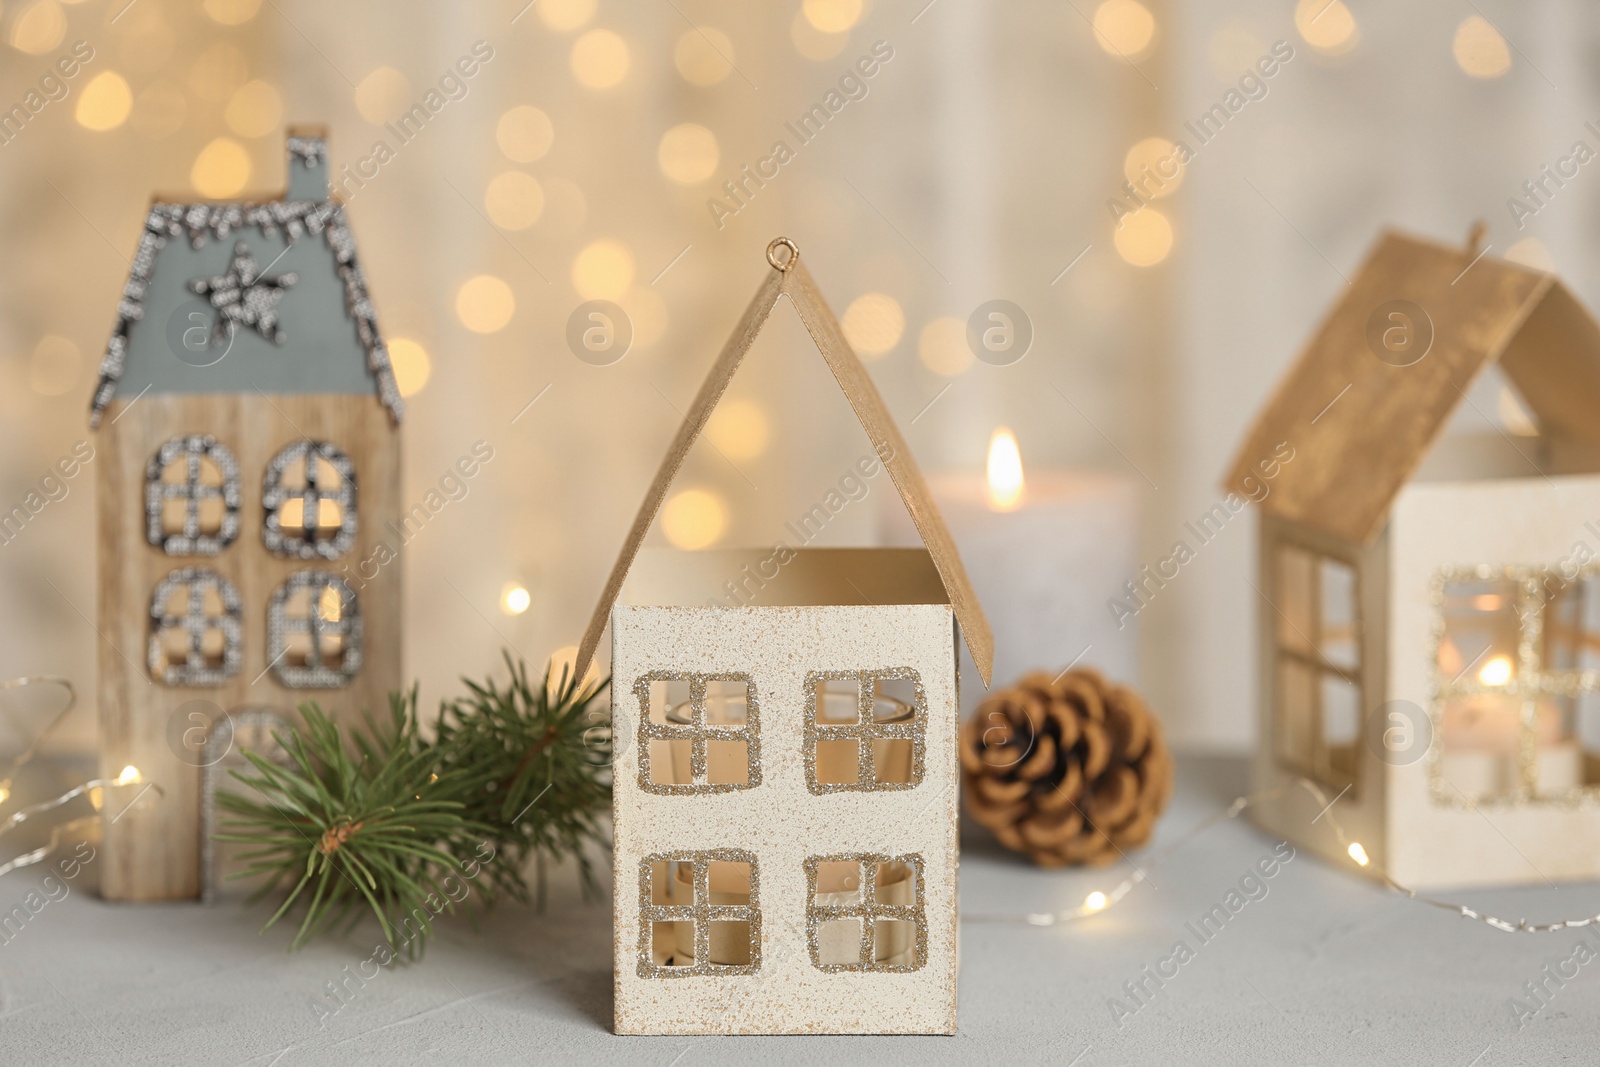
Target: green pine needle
(387,822)
(536,764)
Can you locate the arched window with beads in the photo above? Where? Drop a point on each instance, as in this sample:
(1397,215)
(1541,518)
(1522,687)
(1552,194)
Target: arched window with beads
(314,631)
(309,495)
(194,629)
(191,496)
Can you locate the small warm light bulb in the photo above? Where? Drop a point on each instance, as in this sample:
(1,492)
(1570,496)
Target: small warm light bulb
(1479,48)
(129,776)
(1496,672)
(1143,238)
(1327,26)
(873,324)
(1123,27)
(411,365)
(600,59)
(1095,901)
(694,519)
(514,599)
(5,792)
(1358,853)
(1005,471)
(484,304)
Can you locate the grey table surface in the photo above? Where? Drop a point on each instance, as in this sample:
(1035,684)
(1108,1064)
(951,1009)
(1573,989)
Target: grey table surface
(1325,968)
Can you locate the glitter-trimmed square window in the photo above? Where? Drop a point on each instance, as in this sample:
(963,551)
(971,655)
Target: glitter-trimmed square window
(865,731)
(309,495)
(191,496)
(699,914)
(1516,687)
(314,631)
(698,733)
(194,629)
(865,912)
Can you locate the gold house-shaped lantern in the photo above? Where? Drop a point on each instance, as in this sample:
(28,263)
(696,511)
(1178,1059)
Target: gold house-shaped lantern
(786,782)
(247,429)
(1429,632)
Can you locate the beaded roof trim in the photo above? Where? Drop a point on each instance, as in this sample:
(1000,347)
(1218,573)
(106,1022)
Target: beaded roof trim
(199,223)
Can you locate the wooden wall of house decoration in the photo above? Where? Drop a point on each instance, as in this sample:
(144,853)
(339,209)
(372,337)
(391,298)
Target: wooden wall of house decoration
(786,783)
(1429,632)
(247,426)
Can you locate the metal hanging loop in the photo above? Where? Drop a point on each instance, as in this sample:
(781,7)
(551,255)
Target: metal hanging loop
(786,264)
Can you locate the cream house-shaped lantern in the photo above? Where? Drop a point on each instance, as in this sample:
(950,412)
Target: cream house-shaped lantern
(1429,631)
(248,478)
(786,783)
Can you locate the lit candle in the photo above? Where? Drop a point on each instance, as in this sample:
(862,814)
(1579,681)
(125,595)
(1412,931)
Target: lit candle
(1044,550)
(1006,483)
(1482,734)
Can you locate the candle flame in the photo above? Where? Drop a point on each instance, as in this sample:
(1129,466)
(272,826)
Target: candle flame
(1005,471)
(1496,672)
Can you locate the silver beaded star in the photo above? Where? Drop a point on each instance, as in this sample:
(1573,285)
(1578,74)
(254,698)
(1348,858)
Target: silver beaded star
(243,298)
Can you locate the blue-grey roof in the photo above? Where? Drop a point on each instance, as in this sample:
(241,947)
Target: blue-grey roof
(167,340)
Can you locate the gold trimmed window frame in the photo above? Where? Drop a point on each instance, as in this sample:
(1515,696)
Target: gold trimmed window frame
(698,732)
(865,730)
(699,911)
(1313,756)
(1531,681)
(868,910)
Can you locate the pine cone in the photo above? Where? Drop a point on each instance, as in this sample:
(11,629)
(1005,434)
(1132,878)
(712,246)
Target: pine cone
(1068,771)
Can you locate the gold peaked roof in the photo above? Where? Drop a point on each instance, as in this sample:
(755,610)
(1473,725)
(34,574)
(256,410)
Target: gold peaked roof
(790,277)
(1360,425)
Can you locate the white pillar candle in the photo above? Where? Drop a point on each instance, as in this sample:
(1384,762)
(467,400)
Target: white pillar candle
(1043,548)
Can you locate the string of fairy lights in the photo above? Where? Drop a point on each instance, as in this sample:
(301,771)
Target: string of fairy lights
(93,789)
(1095,903)
(1099,901)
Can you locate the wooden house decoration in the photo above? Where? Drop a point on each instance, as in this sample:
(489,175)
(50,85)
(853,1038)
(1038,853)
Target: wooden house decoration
(248,460)
(1429,607)
(786,784)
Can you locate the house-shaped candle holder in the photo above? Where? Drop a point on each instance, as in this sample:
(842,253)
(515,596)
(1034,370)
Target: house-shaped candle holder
(1429,632)
(786,783)
(248,473)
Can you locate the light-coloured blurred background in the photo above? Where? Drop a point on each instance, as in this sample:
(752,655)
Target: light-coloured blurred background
(978,162)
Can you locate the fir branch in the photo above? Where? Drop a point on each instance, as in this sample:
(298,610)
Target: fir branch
(387,822)
(367,823)
(537,763)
